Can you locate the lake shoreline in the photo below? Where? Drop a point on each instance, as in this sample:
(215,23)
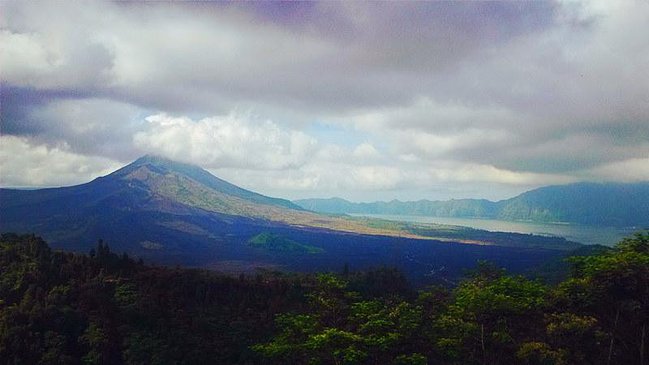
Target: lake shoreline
(584,234)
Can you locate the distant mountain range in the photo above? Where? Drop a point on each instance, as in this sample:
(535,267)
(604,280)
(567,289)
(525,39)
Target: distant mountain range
(610,204)
(174,213)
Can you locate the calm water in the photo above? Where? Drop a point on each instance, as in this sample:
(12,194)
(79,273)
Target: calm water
(584,234)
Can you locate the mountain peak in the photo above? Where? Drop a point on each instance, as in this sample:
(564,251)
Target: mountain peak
(150,158)
(163,166)
(160,161)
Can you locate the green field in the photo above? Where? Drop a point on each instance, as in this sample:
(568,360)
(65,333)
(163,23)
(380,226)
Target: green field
(277,243)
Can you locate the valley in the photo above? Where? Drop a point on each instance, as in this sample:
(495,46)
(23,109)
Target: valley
(324,182)
(173,213)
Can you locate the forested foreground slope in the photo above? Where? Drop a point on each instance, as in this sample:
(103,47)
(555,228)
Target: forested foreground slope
(103,308)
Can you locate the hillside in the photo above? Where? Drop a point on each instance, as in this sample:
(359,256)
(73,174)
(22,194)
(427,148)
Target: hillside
(146,167)
(157,186)
(174,213)
(104,308)
(611,204)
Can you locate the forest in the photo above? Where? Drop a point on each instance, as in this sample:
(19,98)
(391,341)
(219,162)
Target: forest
(108,308)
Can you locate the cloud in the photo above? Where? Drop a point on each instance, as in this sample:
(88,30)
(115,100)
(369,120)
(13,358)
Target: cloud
(27,164)
(271,159)
(233,140)
(366,151)
(631,170)
(415,97)
(347,58)
(41,48)
(91,126)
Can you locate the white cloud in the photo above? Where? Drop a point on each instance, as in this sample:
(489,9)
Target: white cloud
(27,164)
(631,170)
(233,140)
(53,45)
(496,95)
(23,58)
(377,177)
(457,172)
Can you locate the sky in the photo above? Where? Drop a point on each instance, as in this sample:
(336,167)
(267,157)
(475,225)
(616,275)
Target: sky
(361,100)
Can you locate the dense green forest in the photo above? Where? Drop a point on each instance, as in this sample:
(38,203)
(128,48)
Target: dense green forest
(104,308)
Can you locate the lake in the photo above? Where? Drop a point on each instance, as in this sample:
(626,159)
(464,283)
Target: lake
(607,236)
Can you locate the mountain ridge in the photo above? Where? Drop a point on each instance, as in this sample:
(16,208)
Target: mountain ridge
(174,213)
(607,204)
(156,184)
(153,186)
(200,175)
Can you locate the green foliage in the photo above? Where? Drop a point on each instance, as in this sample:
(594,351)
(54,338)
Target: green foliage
(61,308)
(488,312)
(504,296)
(490,318)
(539,353)
(64,308)
(277,243)
(613,289)
(343,327)
(414,359)
(95,339)
(126,295)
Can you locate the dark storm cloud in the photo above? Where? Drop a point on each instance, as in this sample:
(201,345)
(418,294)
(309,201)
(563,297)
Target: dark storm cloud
(323,57)
(17,103)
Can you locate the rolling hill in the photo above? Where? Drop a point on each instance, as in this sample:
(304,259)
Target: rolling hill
(611,204)
(175,213)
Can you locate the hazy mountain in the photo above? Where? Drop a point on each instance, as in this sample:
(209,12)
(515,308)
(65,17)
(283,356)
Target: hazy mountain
(176,213)
(478,208)
(612,204)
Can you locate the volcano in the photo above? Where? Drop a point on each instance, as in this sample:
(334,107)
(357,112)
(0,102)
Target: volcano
(175,213)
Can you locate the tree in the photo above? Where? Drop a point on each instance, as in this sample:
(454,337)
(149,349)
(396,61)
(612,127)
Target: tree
(613,287)
(488,314)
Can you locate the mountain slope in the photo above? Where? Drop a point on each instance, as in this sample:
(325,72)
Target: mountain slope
(155,185)
(584,203)
(175,213)
(165,166)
